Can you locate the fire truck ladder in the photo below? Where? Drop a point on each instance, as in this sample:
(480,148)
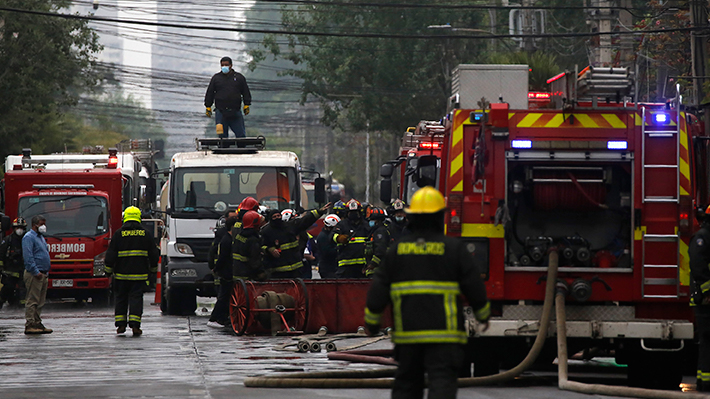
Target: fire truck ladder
(661,276)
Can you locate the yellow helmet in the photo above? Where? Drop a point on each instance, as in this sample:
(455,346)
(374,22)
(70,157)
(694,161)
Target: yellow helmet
(426,200)
(132,214)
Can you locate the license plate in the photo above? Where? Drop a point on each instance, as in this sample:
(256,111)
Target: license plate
(63,283)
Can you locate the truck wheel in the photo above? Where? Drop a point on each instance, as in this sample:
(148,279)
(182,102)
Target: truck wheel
(181,301)
(655,370)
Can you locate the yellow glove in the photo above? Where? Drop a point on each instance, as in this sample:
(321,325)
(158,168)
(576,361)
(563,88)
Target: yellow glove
(246,110)
(208,111)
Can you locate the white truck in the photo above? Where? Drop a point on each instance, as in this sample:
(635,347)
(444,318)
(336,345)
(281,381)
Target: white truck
(201,186)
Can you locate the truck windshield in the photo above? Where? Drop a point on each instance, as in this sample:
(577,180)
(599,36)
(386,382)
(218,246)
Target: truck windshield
(68,215)
(209,191)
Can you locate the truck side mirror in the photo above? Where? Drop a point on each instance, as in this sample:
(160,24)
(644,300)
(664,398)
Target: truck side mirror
(386,170)
(386,190)
(6,223)
(319,191)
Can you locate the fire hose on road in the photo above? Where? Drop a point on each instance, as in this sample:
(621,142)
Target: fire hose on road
(381,378)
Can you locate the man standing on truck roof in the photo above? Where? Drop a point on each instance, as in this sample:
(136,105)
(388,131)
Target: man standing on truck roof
(131,257)
(423,275)
(699,254)
(227,89)
(11,261)
(36,257)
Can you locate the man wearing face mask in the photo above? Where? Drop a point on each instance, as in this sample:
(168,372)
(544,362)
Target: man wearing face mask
(398,225)
(11,261)
(327,250)
(227,89)
(36,257)
(351,235)
(283,255)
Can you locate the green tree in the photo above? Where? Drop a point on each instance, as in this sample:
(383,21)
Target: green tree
(47,63)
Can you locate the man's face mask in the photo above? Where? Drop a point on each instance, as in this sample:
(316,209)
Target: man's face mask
(20,231)
(372,223)
(354,216)
(42,229)
(225,69)
(399,219)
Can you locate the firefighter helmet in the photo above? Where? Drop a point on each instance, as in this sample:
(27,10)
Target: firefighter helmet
(331,220)
(707,210)
(251,220)
(353,205)
(377,214)
(19,222)
(427,200)
(287,214)
(249,204)
(133,214)
(398,205)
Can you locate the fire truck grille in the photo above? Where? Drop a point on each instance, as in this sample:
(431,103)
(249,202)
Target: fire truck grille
(72,271)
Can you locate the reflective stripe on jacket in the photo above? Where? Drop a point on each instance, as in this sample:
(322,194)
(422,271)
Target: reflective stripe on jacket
(132,253)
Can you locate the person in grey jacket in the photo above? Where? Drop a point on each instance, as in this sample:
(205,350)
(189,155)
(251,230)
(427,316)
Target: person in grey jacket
(36,257)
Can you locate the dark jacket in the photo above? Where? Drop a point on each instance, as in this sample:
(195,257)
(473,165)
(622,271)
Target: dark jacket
(132,254)
(380,240)
(246,255)
(699,254)
(424,275)
(327,255)
(352,253)
(11,255)
(397,230)
(226,90)
(284,237)
(223,264)
(212,254)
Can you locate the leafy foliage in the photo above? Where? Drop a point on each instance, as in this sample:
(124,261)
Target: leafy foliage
(47,63)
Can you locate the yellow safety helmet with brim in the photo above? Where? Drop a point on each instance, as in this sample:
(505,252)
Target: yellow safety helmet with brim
(426,200)
(132,213)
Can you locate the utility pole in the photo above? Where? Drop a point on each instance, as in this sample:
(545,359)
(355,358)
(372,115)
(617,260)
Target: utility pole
(367,163)
(698,49)
(528,41)
(604,25)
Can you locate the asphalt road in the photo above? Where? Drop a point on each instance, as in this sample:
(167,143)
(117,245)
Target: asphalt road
(180,357)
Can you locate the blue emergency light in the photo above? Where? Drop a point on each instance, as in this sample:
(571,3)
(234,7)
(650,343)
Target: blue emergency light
(521,143)
(661,118)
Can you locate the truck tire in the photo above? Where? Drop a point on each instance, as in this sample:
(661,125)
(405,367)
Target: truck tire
(180,301)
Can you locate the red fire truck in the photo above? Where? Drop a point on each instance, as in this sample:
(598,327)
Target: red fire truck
(611,184)
(82,202)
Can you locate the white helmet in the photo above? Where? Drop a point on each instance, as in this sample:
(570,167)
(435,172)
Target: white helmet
(331,220)
(286,214)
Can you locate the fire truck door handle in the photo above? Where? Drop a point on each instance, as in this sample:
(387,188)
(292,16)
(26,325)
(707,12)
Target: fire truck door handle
(597,278)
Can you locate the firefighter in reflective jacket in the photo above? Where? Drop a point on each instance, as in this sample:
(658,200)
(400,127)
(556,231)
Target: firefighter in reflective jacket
(282,256)
(11,261)
(379,240)
(352,235)
(131,257)
(246,249)
(424,274)
(699,254)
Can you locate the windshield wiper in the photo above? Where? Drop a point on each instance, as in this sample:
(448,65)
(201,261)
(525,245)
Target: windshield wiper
(68,233)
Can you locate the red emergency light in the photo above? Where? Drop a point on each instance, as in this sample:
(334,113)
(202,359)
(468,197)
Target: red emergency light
(112,162)
(429,146)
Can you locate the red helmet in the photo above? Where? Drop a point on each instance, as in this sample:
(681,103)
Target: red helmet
(251,220)
(249,203)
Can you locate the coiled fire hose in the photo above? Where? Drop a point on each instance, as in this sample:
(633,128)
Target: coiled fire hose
(377,378)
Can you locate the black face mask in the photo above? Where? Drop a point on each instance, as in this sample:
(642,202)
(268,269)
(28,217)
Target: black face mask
(277,222)
(354,217)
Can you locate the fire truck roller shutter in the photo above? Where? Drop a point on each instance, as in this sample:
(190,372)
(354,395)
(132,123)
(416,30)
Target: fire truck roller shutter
(576,190)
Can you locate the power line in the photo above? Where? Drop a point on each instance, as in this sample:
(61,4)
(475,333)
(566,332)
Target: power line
(336,34)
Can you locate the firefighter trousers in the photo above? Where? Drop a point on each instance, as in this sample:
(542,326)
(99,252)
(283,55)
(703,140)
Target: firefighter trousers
(220,313)
(702,321)
(9,285)
(129,295)
(354,271)
(440,362)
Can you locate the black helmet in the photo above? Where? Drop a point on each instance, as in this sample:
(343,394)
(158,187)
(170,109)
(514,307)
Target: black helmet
(19,222)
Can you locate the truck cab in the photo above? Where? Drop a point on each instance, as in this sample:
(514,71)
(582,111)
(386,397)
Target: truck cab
(201,187)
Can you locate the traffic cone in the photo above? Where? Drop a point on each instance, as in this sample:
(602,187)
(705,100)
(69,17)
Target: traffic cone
(158,286)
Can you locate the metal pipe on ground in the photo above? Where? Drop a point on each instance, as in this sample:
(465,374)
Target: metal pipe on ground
(363,379)
(598,389)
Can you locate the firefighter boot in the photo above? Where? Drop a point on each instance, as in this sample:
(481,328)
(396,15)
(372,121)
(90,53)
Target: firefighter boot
(121,330)
(136,331)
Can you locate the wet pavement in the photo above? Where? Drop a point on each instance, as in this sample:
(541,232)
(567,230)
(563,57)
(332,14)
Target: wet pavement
(180,357)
